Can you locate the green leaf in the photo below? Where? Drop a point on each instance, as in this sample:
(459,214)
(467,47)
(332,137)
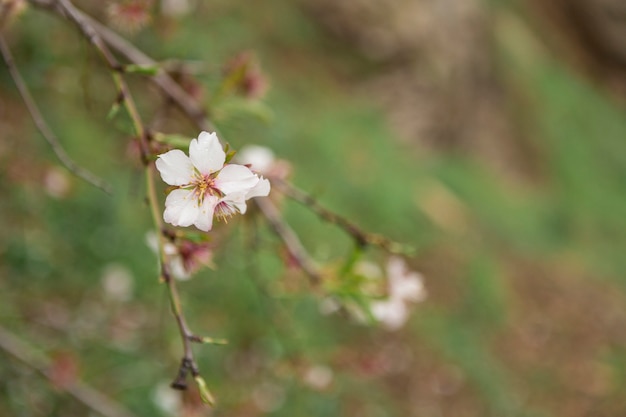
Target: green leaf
(115,109)
(150,70)
(177,141)
(205,394)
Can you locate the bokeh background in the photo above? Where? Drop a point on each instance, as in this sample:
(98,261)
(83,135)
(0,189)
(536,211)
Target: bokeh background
(489,135)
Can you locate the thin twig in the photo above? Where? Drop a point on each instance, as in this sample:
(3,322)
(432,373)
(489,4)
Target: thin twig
(79,390)
(124,97)
(360,237)
(196,113)
(43,127)
(290,239)
(168,86)
(188,363)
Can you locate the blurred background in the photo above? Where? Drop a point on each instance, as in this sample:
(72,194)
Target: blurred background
(489,135)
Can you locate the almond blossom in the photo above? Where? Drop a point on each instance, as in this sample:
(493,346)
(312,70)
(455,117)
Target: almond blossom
(404,286)
(205,185)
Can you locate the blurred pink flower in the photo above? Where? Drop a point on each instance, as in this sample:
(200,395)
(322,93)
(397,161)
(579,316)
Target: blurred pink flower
(262,160)
(205,186)
(130,15)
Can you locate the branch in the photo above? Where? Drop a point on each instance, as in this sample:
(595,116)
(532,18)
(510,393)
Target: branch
(360,237)
(196,113)
(290,239)
(168,86)
(43,127)
(66,9)
(79,390)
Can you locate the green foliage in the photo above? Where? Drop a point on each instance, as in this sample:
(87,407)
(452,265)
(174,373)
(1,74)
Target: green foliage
(56,251)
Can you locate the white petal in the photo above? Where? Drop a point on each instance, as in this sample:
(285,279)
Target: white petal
(236,200)
(181,208)
(235,178)
(204,221)
(206,153)
(260,158)
(175,167)
(391,313)
(410,288)
(261,189)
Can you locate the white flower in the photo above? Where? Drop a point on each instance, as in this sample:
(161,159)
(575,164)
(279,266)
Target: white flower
(404,284)
(319,377)
(260,158)
(391,313)
(204,185)
(117,281)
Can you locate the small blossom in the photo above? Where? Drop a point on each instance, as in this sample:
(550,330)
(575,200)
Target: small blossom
(204,185)
(184,257)
(259,158)
(130,15)
(263,161)
(166,399)
(117,281)
(404,286)
(319,377)
(244,68)
(57,183)
(391,313)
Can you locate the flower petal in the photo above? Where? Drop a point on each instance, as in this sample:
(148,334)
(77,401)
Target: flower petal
(204,221)
(206,153)
(235,178)
(175,167)
(261,189)
(260,158)
(236,201)
(181,208)
(393,314)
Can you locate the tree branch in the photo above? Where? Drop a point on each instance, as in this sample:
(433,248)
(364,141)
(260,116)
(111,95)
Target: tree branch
(360,237)
(66,9)
(43,127)
(290,239)
(79,390)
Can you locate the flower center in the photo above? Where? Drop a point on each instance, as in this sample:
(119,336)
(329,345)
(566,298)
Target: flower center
(223,211)
(205,185)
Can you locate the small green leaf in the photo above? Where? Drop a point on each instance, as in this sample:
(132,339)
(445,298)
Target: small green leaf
(213,341)
(115,109)
(177,141)
(229,156)
(150,70)
(205,394)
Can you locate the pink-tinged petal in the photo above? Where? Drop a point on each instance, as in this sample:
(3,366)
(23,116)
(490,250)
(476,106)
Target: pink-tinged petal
(175,167)
(204,221)
(261,189)
(235,178)
(206,153)
(181,208)
(236,201)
